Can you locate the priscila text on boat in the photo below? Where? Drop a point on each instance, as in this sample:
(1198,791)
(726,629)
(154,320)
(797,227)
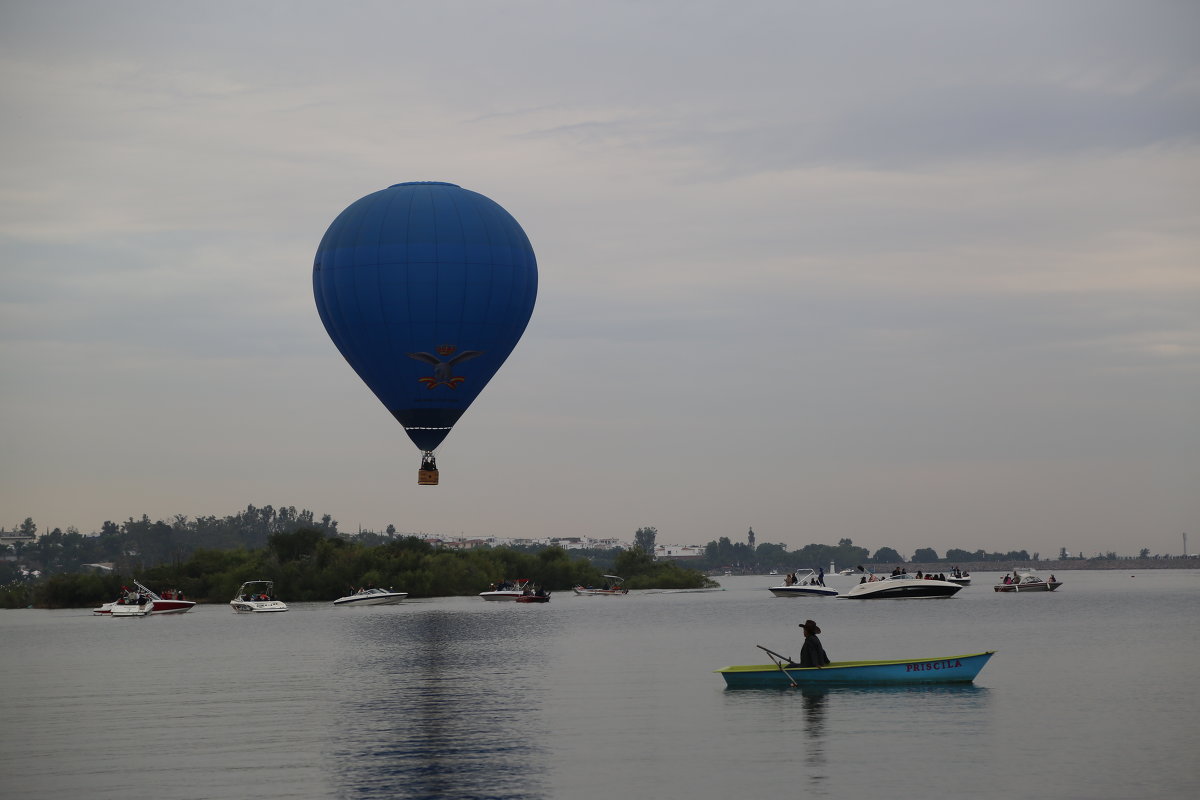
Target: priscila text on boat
(257,597)
(140,602)
(803,583)
(1026,580)
(613,585)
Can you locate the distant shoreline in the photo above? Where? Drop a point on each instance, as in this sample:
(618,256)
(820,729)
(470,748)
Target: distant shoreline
(1041,566)
(1059,565)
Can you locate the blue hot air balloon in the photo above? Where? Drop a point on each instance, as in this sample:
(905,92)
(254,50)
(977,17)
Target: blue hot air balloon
(425,288)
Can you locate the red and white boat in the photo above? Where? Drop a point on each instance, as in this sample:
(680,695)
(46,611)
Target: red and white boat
(145,602)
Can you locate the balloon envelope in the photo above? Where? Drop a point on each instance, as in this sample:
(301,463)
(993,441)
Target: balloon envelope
(425,288)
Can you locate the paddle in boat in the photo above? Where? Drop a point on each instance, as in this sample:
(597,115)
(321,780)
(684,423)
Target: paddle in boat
(1026,580)
(370,596)
(901,586)
(257,597)
(611,587)
(140,601)
(784,672)
(802,583)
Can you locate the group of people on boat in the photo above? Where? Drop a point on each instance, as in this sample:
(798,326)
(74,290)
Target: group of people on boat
(1015,578)
(136,597)
(814,580)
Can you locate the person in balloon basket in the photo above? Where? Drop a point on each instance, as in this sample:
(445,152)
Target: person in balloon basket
(812,654)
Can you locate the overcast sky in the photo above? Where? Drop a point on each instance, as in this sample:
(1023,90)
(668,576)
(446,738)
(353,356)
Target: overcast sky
(913,274)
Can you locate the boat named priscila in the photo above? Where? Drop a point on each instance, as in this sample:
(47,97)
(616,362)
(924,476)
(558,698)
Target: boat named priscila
(784,672)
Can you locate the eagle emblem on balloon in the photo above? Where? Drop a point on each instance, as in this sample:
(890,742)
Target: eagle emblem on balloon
(443,365)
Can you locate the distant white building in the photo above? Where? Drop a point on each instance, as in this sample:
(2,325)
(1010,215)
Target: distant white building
(679,552)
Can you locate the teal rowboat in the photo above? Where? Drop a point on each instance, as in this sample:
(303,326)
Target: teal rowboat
(782,673)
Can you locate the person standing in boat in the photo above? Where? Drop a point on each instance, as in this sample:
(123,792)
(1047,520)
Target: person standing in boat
(812,654)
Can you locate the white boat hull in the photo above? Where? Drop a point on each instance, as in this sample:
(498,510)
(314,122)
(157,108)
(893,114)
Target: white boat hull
(258,606)
(386,599)
(500,595)
(902,589)
(803,591)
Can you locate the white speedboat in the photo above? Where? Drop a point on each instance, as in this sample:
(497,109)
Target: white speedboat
(803,583)
(257,597)
(139,601)
(902,586)
(507,590)
(612,587)
(959,577)
(371,597)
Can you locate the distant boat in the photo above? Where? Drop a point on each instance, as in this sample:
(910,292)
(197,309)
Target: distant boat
(806,585)
(784,672)
(904,586)
(371,597)
(1027,580)
(508,590)
(613,588)
(257,597)
(142,601)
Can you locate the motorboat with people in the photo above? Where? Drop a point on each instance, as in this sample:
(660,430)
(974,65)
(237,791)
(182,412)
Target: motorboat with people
(534,595)
(802,583)
(901,585)
(1026,580)
(784,672)
(614,585)
(371,596)
(257,597)
(507,589)
(140,601)
(958,576)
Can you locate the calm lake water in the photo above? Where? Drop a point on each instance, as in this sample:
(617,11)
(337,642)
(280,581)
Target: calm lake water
(1092,694)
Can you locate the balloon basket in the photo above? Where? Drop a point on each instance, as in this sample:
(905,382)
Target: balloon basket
(427,477)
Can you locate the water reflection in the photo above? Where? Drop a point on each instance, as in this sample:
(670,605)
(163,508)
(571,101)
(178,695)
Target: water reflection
(440,704)
(813,703)
(836,714)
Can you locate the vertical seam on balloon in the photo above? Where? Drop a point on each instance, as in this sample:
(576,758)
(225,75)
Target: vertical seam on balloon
(383,319)
(466,262)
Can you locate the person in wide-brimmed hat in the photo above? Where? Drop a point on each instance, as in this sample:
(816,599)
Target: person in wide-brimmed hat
(812,654)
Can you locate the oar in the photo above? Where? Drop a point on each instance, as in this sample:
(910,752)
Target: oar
(779,659)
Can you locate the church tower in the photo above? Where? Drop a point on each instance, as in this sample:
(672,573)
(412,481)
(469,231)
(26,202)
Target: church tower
(750,538)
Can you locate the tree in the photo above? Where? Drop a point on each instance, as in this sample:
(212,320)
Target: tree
(925,555)
(886,555)
(644,538)
(27,528)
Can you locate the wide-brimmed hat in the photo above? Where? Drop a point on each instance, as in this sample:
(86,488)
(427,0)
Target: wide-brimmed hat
(809,625)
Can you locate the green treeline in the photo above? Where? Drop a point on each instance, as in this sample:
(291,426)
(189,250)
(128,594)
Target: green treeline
(724,553)
(309,565)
